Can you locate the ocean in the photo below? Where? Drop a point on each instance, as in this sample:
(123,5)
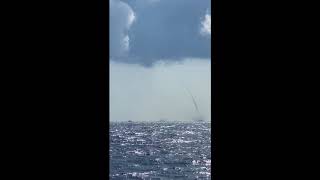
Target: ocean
(160,151)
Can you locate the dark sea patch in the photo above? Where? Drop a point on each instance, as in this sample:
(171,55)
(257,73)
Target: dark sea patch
(160,151)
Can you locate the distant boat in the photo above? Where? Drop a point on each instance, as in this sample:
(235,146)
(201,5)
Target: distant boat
(199,120)
(162,121)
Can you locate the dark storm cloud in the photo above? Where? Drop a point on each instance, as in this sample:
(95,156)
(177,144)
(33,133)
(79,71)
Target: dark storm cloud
(174,37)
(168,29)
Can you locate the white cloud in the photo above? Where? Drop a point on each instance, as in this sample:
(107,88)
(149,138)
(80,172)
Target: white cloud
(131,18)
(205,29)
(121,18)
(147,94)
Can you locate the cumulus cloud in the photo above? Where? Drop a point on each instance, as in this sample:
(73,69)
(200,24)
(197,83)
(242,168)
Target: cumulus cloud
(159,92)
(121,18)
(205,29)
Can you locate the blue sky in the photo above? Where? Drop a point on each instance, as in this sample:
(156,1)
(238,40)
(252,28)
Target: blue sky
(155,47)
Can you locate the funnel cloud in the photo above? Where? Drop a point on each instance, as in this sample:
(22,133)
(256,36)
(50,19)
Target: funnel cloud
(149,94)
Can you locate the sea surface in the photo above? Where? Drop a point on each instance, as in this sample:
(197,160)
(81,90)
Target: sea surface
(160,151)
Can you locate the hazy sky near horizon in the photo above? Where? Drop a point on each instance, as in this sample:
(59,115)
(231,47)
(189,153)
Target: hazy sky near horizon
(157,49)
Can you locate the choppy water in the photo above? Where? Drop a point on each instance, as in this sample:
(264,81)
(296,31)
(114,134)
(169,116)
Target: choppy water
(160,151)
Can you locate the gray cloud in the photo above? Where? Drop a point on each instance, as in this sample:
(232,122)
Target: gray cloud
(167,29)
(121,19)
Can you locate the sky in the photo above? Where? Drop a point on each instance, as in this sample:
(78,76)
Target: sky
(159,50)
